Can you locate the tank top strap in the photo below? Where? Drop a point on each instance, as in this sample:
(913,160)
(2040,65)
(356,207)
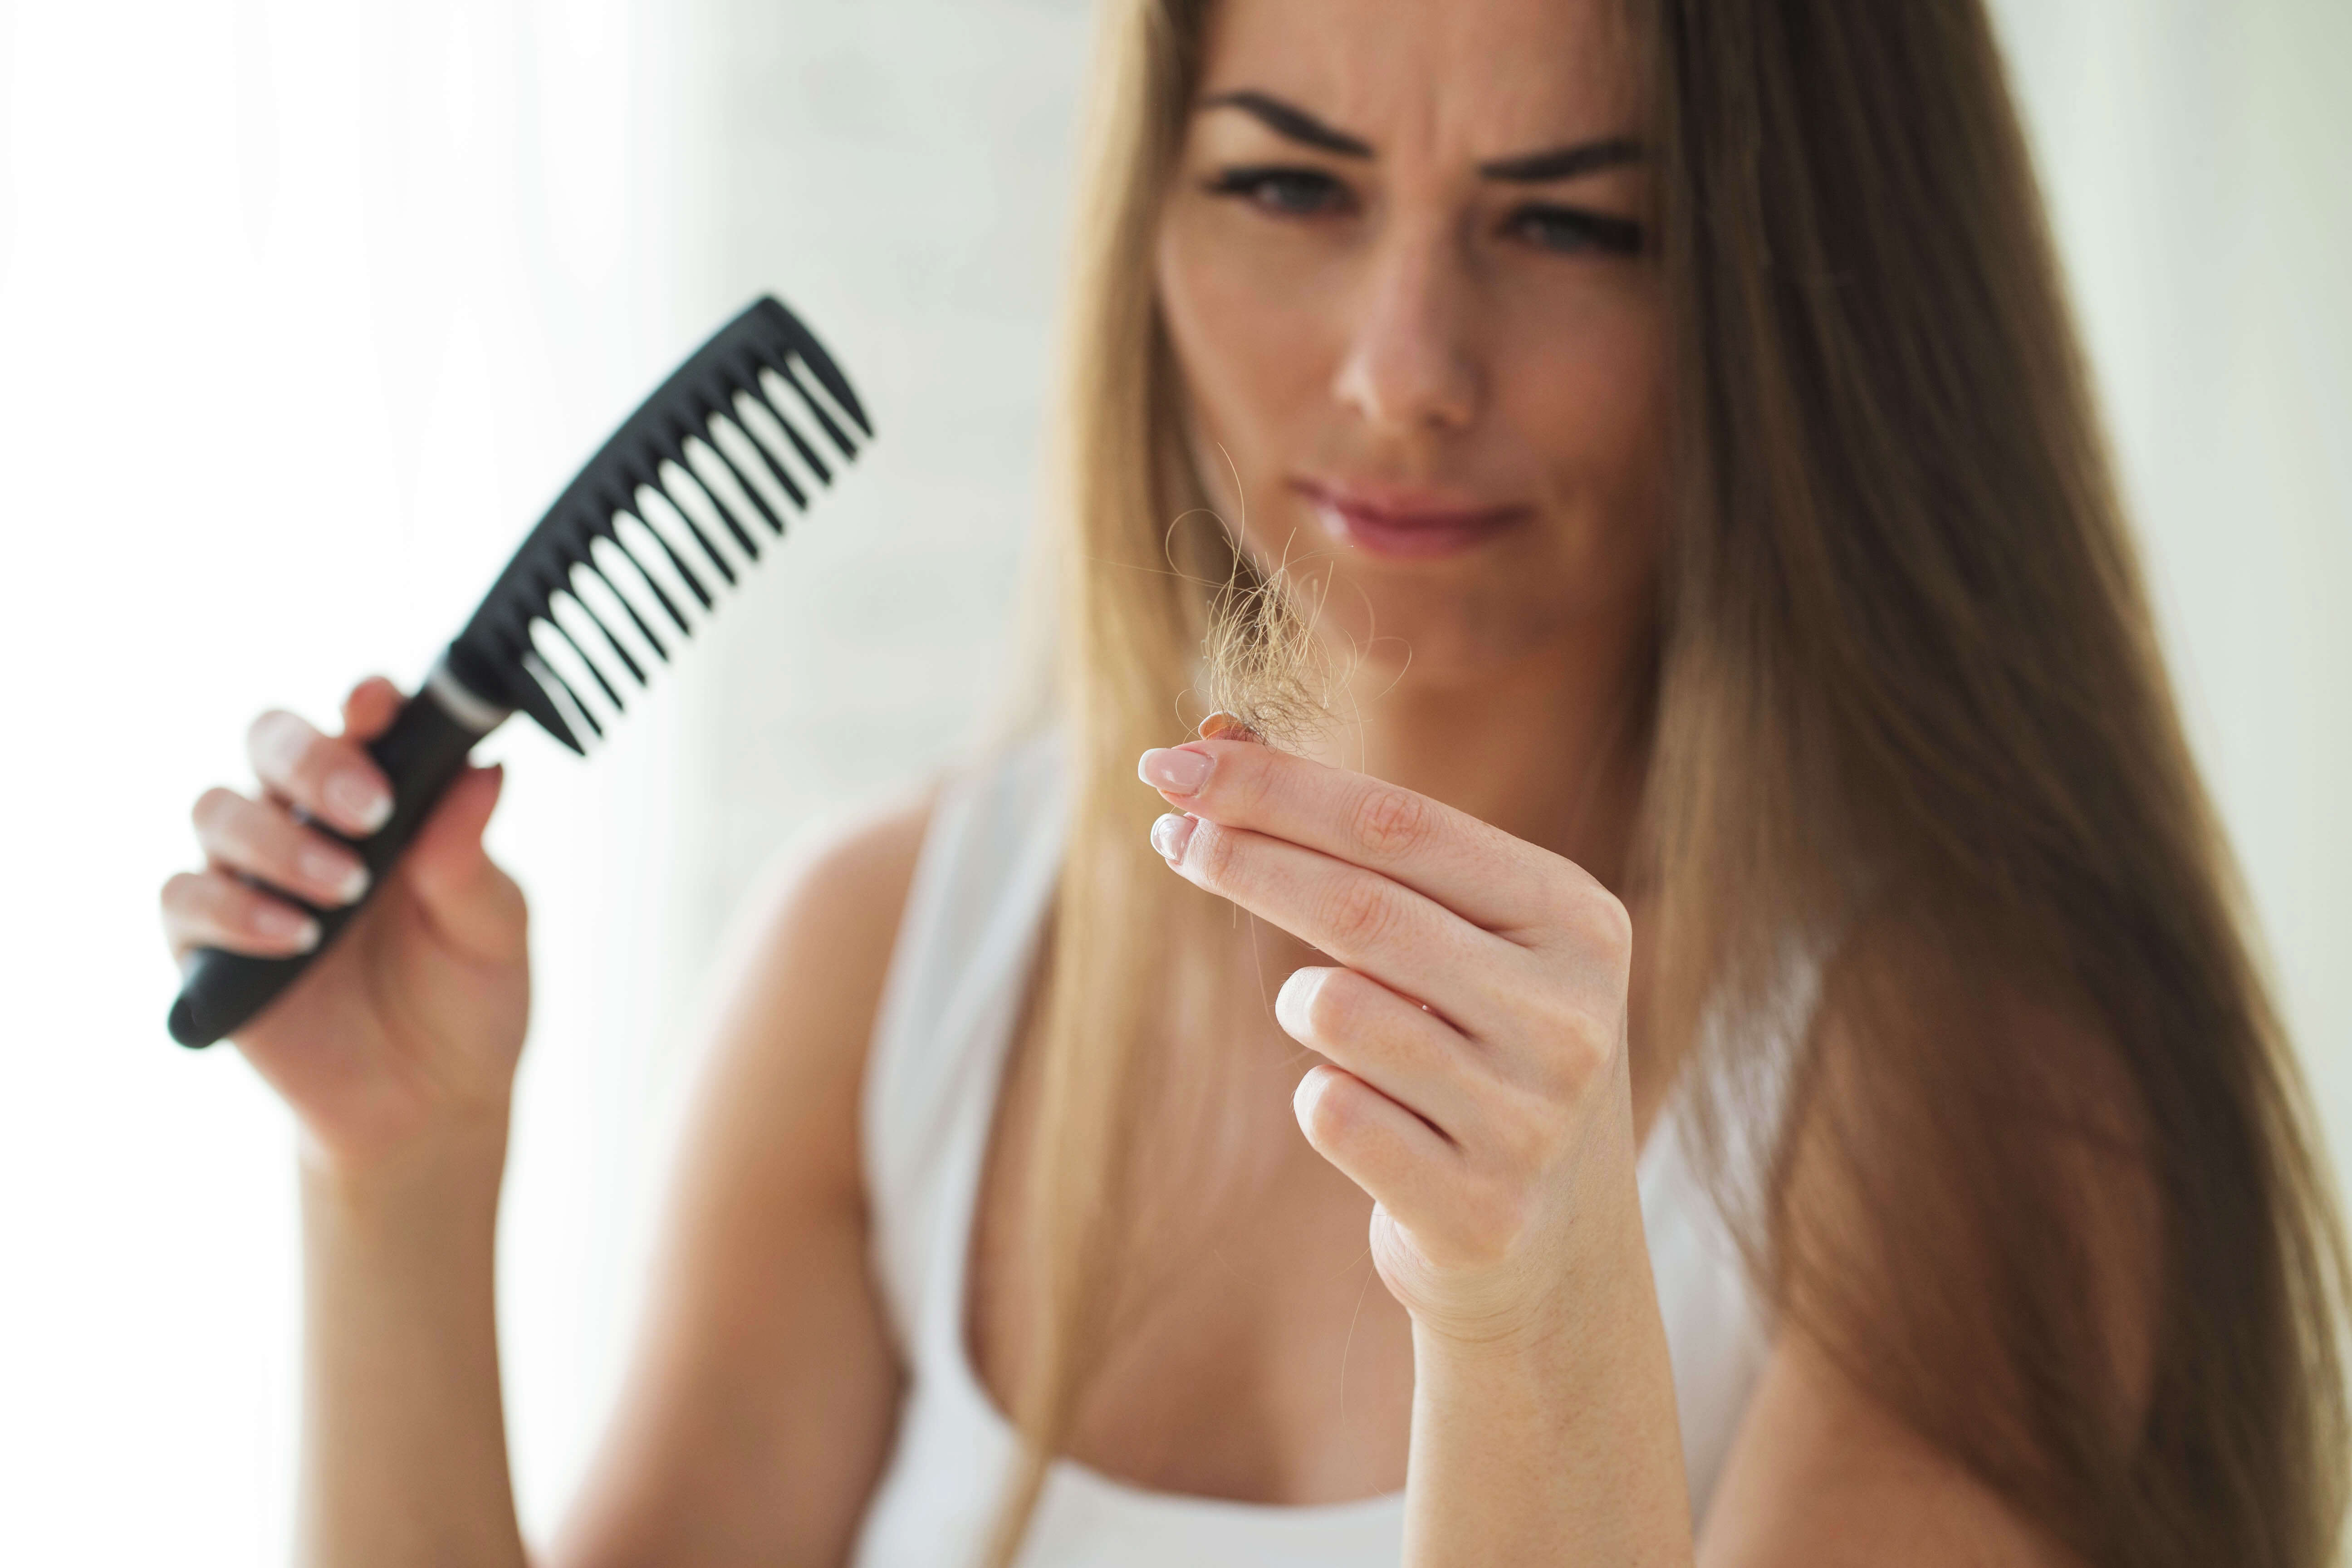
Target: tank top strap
(983,879)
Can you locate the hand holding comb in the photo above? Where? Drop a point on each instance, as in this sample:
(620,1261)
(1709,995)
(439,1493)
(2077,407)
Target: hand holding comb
(761,406)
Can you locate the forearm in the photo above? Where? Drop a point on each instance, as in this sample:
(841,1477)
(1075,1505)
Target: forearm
(403,1444)
(1560,1449)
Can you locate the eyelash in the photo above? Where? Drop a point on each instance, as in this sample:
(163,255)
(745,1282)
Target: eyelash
(1584,230)
(1260,187)
(1295,193)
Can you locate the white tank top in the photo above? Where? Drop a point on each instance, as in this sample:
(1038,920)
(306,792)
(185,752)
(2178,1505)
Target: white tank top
(974,909)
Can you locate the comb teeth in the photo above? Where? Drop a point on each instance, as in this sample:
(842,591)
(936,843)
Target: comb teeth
(676,504)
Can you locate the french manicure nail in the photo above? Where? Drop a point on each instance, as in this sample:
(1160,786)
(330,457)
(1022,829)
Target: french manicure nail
(1179,771)
(344,876)
(1309,1090)
(279,924)
(360,801)
(1290,1003)
(1170,834)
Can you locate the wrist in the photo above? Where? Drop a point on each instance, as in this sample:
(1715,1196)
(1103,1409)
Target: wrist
(455,1168)
(1549,1307)
(1532,1350)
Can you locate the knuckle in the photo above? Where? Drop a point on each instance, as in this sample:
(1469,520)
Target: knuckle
(1584,1060)
(1389,822)
(1567,1046)
(1578,1050)
(1523,1134)
(1607,924)
(1562,886)
(1211,853)
(1556,1016)
(1358,911)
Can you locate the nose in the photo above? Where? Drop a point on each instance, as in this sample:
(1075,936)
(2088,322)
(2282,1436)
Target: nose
(1410,369)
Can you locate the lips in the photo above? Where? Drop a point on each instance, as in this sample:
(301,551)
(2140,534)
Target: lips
(1405,523)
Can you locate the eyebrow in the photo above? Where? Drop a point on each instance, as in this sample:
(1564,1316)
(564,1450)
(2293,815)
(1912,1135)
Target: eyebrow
(1291,121)
(1287,120)
(1566,162)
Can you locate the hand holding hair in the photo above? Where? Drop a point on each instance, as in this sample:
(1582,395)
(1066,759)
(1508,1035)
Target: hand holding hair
(1474,1028)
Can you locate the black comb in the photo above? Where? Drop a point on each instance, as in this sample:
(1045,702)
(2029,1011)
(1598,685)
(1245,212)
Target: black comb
(748,427)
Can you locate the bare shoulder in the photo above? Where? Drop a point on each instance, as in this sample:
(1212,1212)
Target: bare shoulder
(761,1395)
(800,986)
(843,890)
(839,893)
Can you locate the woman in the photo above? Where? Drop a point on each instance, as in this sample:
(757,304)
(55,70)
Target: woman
(1773,991)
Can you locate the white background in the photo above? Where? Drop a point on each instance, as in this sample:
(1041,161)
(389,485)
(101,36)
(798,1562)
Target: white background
(305,309)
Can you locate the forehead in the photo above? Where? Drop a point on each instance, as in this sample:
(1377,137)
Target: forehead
(1479,77)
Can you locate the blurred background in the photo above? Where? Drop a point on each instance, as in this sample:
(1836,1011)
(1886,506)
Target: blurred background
(306,310)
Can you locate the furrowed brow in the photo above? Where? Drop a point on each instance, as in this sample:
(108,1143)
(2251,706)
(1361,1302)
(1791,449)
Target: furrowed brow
(1287,120)
(1566,162)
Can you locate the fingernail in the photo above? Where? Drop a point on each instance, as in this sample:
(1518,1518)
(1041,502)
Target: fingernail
(1311,1089)
(345,878)
(1179,771)
(362,804)
(1223,726)
(281,925)
(1290,1002)
(1170,834)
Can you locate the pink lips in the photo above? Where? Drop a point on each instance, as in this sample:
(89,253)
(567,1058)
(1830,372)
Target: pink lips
(1418,524)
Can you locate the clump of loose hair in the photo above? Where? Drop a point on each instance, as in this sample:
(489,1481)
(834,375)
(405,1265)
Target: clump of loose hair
(1262,660)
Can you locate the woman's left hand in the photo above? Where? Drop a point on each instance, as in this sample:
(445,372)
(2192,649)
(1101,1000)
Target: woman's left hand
(1475,1081)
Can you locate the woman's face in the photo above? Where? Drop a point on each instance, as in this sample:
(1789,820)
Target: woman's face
(1405,263)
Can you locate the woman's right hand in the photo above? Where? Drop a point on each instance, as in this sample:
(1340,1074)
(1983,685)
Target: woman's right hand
(405,1034)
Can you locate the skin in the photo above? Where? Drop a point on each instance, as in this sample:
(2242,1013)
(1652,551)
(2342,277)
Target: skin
(1462,956)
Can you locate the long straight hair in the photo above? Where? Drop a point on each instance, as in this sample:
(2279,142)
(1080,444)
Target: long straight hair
(1908,690)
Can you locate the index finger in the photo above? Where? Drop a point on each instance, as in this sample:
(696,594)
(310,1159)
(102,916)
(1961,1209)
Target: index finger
(1503,884)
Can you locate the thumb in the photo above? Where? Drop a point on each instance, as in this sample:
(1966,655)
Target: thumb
(369,709)
(475,905)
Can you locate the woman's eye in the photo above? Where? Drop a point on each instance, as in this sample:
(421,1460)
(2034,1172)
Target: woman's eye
(1289,193)
(1567,230)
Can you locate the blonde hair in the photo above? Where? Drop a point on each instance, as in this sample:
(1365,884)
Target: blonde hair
(1906,679)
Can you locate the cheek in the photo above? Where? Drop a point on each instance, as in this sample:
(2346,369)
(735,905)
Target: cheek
(1247,335)
(1591,407)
